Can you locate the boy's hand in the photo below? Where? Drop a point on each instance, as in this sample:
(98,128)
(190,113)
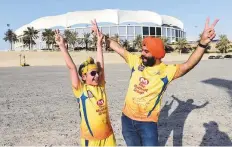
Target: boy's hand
(59,39)
(94,27)
(96,30)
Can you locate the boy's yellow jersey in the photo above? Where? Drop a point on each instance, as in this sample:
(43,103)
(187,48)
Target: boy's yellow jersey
(95,122)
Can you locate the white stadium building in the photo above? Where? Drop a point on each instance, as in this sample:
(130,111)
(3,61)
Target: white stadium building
(125,23)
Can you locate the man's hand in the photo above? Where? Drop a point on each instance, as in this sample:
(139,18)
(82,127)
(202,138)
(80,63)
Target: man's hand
(206,37)
(208,33)
(59,39)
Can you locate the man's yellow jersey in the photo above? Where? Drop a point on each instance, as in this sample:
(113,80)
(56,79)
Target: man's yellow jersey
(146,87)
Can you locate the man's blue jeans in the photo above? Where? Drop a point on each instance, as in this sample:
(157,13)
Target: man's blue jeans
(138,133)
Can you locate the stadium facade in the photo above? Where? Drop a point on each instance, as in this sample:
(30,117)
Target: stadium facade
(126,24)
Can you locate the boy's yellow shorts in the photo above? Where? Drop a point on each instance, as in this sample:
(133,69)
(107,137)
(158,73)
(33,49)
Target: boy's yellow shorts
(110,141)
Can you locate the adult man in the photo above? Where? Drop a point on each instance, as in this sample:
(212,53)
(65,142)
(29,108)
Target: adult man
(149,79)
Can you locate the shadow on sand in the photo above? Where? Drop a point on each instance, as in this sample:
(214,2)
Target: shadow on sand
(226,84)
(214,137)
(175,122)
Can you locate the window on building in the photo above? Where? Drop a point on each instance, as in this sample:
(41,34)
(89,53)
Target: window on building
(145,31)
(138,30)
(158,31)
(152,30)
(122,30)
(113,30)
(130,30)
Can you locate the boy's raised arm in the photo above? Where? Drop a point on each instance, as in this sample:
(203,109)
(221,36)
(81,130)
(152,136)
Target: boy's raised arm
(68,60)
(113,44)
(100,58)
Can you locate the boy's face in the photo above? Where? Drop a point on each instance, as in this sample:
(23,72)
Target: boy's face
(91,77)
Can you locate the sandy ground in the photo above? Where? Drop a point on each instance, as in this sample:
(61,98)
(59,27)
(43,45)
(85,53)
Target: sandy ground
(11,59)
(37,106)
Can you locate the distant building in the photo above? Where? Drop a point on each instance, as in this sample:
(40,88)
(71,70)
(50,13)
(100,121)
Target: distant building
(126,24)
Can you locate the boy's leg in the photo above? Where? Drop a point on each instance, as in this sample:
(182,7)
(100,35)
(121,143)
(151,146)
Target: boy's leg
(84,142)
(129,132)
(90,142)
(109,141)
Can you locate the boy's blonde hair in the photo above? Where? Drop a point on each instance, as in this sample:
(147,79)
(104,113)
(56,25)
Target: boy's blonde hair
(87,65)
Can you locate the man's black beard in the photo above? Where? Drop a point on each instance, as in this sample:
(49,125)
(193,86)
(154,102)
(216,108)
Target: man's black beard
(150,61)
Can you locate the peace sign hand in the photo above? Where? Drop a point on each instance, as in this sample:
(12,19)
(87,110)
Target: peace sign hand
(59,39)
(208,33)
(96,31)
(94,28)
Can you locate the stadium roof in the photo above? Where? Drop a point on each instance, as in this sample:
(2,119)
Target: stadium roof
(114,16)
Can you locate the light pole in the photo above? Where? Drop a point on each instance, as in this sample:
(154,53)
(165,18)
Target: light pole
(196,31)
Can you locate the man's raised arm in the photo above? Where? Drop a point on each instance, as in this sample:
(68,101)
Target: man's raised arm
(206,37)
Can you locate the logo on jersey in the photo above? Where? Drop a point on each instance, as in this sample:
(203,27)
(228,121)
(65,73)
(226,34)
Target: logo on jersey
(100,102)
(141,67)
(141,87)
(157,73)
(143,81)
(90,94)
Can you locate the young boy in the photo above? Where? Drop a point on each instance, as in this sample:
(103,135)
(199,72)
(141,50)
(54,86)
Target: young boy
(96,128)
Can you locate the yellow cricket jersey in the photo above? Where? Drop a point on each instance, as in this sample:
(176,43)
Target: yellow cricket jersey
(95,122)
(146,87)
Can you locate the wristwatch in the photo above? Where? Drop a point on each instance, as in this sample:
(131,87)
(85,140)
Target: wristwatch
(203,46)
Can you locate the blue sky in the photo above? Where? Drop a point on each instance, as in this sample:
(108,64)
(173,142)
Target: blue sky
(191,12)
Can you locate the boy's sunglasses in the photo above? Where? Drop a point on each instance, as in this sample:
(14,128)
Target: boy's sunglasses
(93,73)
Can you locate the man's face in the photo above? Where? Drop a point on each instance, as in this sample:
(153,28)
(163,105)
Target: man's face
(147,58)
